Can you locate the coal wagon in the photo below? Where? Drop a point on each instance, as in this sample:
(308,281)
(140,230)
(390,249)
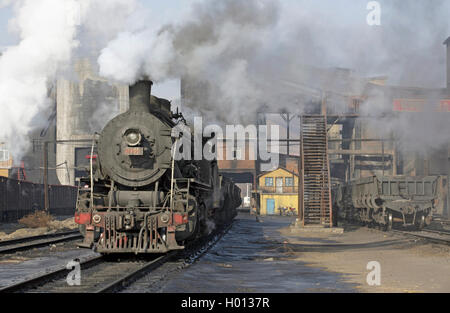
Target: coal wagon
(388,200)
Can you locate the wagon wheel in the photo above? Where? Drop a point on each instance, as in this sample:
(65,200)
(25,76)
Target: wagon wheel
(421,223)
(389,222)
(362,218)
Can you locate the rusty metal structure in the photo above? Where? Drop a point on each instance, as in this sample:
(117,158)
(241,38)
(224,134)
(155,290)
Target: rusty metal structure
(315,186)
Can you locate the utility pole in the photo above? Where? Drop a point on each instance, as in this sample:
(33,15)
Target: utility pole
(46,199)
(287,118)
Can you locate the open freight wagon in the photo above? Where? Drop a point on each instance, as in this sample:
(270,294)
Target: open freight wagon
(388,200)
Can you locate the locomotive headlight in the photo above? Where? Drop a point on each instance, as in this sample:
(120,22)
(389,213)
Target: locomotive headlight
(133,137)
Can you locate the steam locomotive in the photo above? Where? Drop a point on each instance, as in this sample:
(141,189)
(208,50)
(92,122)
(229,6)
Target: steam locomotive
(138,198)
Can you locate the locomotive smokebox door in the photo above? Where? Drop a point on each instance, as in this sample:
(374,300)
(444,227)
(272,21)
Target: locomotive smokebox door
(136,156)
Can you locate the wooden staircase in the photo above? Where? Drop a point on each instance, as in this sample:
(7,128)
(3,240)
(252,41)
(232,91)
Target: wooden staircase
(315,187)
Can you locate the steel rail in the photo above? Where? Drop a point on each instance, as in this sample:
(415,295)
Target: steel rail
(126,280)
(442,221)
(45,277)
(118,283)
(28,243)
(445,241)
(439,232)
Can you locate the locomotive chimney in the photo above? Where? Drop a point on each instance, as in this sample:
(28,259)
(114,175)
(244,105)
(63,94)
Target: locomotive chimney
(447,43)
(140,96)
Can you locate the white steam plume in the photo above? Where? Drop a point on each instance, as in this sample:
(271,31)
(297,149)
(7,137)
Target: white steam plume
(47,32)
(50,33)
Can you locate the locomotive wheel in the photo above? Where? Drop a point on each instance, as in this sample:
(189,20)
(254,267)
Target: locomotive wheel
(203,229)
(196,230)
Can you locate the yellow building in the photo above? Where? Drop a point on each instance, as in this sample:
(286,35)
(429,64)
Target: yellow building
(277,190)
(4,172)
(5,160)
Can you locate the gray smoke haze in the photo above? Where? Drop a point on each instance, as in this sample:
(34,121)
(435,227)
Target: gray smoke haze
(286,33)
(427,131)
(215,45)
(249,53)
(277,53)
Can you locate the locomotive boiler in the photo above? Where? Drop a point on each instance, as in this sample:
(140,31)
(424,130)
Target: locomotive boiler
(138,198)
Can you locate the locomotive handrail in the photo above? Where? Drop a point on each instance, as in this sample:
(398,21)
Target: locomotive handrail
(173,173)
(92,174)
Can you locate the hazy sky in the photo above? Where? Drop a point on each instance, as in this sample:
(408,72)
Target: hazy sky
(332,16)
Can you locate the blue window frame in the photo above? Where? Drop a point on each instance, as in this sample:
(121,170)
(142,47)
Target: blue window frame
(269,182)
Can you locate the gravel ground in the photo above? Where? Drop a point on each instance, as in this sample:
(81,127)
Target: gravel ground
(407,265)
(10,231)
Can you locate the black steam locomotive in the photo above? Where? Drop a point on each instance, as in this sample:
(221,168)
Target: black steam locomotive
(138,198)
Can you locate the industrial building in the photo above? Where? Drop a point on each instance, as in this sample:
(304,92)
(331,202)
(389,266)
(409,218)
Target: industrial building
(83,108)
(5,160)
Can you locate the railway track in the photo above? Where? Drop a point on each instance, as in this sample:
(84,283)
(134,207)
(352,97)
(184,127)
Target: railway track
(27,243)
(103,275)
(435,236)
(47,276)
(442,221)
(431,235)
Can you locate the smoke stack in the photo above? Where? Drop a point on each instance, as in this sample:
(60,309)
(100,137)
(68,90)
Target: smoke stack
(447,43)
(140,94)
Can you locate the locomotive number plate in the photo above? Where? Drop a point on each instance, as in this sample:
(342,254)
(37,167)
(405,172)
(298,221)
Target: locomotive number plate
(134,151)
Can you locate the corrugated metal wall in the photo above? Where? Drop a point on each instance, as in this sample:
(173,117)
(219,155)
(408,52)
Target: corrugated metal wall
(19,198)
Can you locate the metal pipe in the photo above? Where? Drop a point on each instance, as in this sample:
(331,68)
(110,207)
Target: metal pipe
(173,174)
(46,199)
(140,94)
(92,175)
